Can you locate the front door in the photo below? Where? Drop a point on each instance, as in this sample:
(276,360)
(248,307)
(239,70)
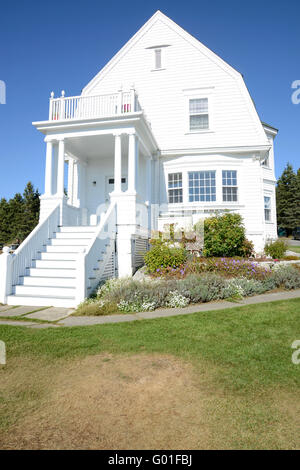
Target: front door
(110,185)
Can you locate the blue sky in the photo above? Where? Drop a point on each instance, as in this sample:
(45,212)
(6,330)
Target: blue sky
(57,45)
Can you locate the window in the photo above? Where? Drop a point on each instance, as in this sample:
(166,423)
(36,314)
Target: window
(175,187)
(157,58)
(112,180)
(198,111)
(266,162)
(229,184)
(202,186)
(267,205)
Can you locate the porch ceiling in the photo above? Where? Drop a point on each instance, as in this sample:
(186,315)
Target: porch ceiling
(96,146)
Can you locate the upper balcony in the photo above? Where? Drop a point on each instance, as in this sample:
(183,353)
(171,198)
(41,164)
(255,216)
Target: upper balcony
(97,106)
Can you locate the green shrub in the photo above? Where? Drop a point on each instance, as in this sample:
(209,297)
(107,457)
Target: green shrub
(163,256)
(128,295)
(276,249)
(225,236)
(286,276)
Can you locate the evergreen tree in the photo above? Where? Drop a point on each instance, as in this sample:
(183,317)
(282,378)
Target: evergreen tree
(4,222)
(19,215)
(288,199)
(31,208)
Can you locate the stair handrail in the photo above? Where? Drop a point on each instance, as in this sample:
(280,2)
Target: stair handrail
(26,252)
(100,227)
(86,263)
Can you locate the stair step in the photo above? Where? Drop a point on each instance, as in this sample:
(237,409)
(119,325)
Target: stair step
(41,301)
(39,281)
(82,228)
(53,291)
(65,248)
(73,235)
(69,241)
(51,272)
(58,256)
(40,263)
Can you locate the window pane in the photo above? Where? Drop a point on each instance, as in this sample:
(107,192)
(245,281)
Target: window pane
(198,122)
(267,205)
(267,202)
(199,105)
(202,186)
(229,194)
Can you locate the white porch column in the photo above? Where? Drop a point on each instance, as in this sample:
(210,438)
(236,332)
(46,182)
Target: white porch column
(71,181)
(61,168)
(118,164)
(48,170)
(133,158)
(75,184)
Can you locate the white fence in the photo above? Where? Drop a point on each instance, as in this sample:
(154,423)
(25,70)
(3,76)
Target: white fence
(87,107)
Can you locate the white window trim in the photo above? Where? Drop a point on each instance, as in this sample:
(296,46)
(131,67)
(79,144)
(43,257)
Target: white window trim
(182,187)
(271,221)
(219,187)
(199,93)
(237,186)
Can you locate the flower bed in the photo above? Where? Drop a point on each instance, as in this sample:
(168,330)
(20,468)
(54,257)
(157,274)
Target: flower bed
(129,295)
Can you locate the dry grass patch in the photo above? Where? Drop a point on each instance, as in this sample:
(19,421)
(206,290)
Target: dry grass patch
(146,401)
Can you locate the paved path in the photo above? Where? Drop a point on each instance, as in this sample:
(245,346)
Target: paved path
(62,317)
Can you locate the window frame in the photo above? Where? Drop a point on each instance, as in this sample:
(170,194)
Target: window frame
(199,93)
(198,113)
(174,188)
(269,218)
(231,186)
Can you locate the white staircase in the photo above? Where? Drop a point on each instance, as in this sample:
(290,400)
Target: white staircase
(50,279)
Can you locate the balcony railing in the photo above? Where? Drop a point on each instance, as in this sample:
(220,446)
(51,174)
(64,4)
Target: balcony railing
(87,107)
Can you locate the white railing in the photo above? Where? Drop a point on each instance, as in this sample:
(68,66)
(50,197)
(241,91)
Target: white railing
(92,262)
(27,251)
(71,215)
(87,107)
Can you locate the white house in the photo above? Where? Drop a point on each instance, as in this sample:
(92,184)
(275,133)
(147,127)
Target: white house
(165,132)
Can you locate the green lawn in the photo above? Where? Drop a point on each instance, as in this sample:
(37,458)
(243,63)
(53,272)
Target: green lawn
(296,249)
(245,353)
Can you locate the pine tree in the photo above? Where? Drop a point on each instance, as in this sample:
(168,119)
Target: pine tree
(19,215)
(4,223)
(288,199)
(31,208)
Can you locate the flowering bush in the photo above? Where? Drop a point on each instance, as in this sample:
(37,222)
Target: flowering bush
(128,295)
(175,299)
(228,267)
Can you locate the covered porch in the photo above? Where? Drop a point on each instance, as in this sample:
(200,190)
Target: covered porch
(91,162)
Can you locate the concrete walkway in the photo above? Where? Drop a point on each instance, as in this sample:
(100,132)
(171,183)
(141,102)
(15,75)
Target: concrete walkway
(62,317)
